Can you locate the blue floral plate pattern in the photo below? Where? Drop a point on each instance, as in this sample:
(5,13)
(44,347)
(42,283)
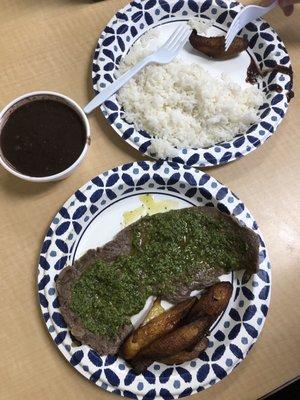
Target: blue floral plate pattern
(265,47)
(232,335)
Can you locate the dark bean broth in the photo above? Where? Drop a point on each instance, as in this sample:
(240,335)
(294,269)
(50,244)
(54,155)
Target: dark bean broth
(42,137)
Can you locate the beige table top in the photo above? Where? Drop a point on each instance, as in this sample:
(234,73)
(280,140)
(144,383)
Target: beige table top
(48,44)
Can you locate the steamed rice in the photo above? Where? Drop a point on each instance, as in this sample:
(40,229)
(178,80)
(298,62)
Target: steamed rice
(181,104)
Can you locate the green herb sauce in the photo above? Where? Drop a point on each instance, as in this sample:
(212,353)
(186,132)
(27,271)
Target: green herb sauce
(167,249)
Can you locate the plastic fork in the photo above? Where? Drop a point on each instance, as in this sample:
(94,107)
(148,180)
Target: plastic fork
(163,55)
(246,15)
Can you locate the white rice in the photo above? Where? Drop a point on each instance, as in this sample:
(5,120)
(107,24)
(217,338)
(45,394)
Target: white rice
(181,104)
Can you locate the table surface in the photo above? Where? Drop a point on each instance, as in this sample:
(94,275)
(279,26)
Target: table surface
(48,44)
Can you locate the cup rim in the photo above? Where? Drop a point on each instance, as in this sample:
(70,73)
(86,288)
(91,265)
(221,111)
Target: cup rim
(65,172)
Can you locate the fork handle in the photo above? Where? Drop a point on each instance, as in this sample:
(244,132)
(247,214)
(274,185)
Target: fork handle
(116,85)
(270,7)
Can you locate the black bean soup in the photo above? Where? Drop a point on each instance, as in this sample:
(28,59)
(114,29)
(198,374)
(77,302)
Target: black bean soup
(42,137)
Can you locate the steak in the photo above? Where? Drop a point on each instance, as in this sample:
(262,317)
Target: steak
(122,245)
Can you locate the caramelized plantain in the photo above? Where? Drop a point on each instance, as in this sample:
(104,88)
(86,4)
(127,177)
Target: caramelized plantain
(140,364)
(186,355)
(155,328)
(212,302)
(214,47)
(177,335)
(176,341)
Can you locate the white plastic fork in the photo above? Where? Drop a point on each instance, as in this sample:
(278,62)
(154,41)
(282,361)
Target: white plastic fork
(163,55)
(246,15)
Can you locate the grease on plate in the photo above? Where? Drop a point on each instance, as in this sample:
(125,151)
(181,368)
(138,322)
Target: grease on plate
(149,206)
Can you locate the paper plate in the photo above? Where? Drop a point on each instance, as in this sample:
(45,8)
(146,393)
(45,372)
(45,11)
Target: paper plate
(266,48)
(91,217)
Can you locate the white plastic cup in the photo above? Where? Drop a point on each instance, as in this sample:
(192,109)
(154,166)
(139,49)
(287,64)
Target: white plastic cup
(4,115)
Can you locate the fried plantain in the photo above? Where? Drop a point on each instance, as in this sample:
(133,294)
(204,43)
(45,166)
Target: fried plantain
(211,303)
(155,328)
(186,355)
(176,341)
(214,47)
(140,364)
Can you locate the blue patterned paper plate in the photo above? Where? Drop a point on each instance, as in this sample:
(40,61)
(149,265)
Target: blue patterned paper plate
(91,217)
(128,24)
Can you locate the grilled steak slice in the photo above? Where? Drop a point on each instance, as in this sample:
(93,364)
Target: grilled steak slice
(109,252)
(204,275)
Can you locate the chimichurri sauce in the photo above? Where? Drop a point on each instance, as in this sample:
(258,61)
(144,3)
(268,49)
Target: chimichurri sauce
(167,248)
